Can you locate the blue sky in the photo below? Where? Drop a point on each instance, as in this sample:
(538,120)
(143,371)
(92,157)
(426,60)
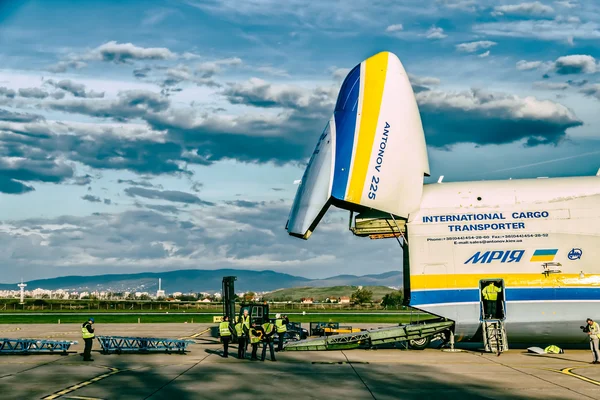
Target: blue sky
(140,136)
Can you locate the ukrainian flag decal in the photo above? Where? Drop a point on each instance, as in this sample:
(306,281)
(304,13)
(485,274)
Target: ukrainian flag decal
(544,255)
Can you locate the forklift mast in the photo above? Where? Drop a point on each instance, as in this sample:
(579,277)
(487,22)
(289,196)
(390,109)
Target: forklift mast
(229,297)
(259,312)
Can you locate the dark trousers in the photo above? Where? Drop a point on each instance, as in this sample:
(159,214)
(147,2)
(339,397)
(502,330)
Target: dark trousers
(264,350)
(254,350)
(280,344)
(87,350)
(490,308)
(225,340)
(241,347)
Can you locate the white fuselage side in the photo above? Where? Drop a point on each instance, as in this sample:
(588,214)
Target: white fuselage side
(465,232)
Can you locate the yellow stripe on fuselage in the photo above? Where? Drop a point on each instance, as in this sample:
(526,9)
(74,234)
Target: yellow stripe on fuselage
(375,74)
(471,281)
(542,258)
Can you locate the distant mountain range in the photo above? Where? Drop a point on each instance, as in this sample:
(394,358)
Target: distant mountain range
(189,280)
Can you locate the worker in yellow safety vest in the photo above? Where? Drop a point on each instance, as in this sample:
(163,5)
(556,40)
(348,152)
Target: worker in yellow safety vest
(256,333)
(225,334)
(267,340)
(246,328)
(241,339)
(87,333)
(594,331)
(281,326)
(490,296)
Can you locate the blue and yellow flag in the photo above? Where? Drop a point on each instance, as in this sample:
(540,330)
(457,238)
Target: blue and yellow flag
(544,255)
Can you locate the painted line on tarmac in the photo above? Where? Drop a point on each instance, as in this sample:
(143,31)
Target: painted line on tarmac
(11,330)
(339,362)
(57,334)
(83,398)
(195,335)
(569,372)
(77,386)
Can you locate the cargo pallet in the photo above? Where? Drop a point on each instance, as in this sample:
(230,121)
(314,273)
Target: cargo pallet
(371,338)
(34,346)
(122,344)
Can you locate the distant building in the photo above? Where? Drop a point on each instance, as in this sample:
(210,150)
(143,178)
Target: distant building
(308,300)
(344,300)
(160,292)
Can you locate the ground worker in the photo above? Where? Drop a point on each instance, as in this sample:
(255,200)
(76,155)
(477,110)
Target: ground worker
(593,331)
(225,332)
(490,296)
(281,326)
(267,340)
(241,339)
(87,332)
(256,333)
(246,322)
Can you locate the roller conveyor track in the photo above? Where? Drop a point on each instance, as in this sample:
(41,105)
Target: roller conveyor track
(371,337)
(29,346)
(121,344)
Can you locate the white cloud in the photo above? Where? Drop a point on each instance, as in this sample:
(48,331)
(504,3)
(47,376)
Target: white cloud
(553,30)
(435,33)
(566,4)
(124,52)
(576,64)
(394,28)
(472,47)
(535,8)
(483,55)
(464,5)
(523,65)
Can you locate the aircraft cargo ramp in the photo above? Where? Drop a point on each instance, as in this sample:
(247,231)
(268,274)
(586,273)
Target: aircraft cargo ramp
(371,337)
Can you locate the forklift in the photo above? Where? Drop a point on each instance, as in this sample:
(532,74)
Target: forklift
(259,312)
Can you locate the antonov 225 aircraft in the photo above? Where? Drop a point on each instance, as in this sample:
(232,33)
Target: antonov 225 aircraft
(538,240)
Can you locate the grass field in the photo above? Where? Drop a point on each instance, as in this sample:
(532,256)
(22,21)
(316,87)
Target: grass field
(322,293)
(272,310)
(199,318)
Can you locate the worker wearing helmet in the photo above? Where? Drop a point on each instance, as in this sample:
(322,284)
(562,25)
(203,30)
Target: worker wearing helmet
(281,326)
(87,332)
(246,328)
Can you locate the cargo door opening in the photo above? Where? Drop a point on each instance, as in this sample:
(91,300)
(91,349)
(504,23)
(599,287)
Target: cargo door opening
(492,300)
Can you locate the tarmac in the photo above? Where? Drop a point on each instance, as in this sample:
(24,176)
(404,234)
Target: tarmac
(391,373)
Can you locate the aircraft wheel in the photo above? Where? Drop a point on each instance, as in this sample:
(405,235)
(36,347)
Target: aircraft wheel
(419,344)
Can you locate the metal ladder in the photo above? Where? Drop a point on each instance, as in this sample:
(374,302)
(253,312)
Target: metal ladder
(494,335)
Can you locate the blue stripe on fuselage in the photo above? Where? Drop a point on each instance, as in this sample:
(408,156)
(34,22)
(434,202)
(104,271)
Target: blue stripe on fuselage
(345,113)
(512,294)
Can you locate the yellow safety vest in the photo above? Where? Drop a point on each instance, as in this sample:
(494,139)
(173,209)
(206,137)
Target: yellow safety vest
(85,333)
(238,329)
(267,327)
(553,349)
(490,292)
(224,329)
(246,321)
(281,328)
(254,338)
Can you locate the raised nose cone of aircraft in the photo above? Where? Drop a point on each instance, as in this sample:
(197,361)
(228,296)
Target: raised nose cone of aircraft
(372,152)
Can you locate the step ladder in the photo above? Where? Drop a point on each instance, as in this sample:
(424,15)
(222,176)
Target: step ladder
(494,334)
